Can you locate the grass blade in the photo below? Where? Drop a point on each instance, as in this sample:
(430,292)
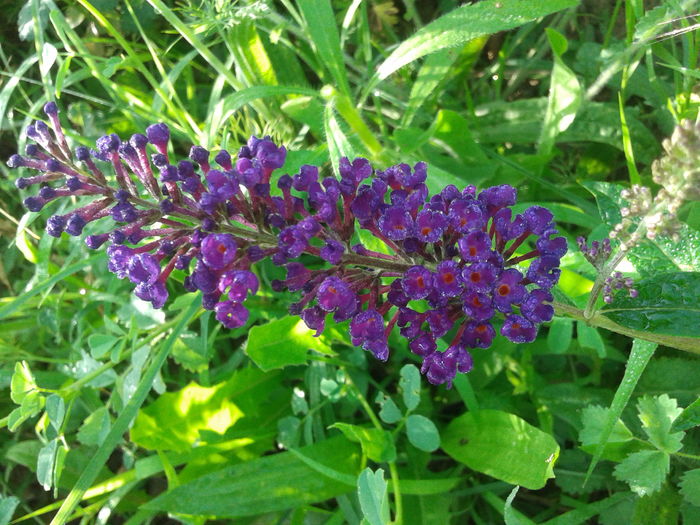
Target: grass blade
(189,35)
(12,307)
(637,362)
(125,418)
(322,28)
(466,23)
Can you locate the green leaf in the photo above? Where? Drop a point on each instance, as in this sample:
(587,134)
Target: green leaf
(283,342)
(619,443)
(589,337)
(422,433)
(378,445)
(644,471)
(410,386)
(689,418)
(8,504)
(26,19)
(321,26)
(667,304)
(503,446)
(101,344)
(690,486)
(175,419)
(95,428)
(388,412)
(565,95)
(465,23)
(45,464)
(657,414)
(55,410)
(637,362)
(432,72)
(268,484)
(288,431)
(594,422)
(560,335)
(22,382)
(372,493)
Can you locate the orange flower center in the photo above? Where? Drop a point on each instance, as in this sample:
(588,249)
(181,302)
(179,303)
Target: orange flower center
(503,290)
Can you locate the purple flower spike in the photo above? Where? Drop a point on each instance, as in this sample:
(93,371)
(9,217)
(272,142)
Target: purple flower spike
(333,251)
(518,329)
(475,246)
(534,309)
(478,334)
(367,329)
(118,259)
(55,225)
(508,290)
(430,225)
(454,251)
(442,367)
(143,268)
(315,319)
(218,250)
(448,280)
(478,306)
(335,295)
(396,223)
(544,271)
(159,135)
(231,314)
(538,219)
(497,197)
(466,216)
(156,293)
(480,277)
(423,345)
(417,282)
(238,283)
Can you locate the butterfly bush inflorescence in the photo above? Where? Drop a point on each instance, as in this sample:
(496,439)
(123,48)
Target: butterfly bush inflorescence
(450,261)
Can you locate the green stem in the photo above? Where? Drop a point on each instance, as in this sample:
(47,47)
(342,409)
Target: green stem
(393,471)
(350,114)
(598,320)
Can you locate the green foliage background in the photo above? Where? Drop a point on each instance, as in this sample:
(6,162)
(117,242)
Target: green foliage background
(116,413)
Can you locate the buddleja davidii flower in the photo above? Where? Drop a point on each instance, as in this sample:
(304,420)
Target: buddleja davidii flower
(174,224)
(224,220)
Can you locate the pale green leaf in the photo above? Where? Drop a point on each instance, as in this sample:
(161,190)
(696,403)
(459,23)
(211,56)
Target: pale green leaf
(644,471)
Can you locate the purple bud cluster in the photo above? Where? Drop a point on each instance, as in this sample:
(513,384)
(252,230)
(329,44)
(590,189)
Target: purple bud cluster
(450,263)
(617,281)
(598,254)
